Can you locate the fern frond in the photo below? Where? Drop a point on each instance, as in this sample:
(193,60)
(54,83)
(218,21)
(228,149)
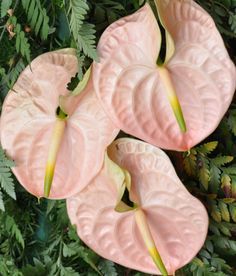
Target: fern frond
(14,230)
(68,271)
(211,172)
(37,17)
(6,179)
(232,209)
(222,160)
(85,254)
(83,33)
(207,147)
(22,43)
(215,174)
(230,170)
(86,41)
(107,268)
(214,211)
(204,172)
(8,80)
(224,211)
(4,77)
(7,182)
(5,161)
(77,11)
(232,21)
(208,264)
(190,164)
(69,250)
(233,186)
(5,5)
(226,184)
(15,72)
(2,207)
(224,243)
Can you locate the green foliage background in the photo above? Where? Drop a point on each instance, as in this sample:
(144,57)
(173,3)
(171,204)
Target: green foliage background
(37,238)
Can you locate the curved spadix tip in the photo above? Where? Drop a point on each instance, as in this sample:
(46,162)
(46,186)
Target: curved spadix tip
(48,179)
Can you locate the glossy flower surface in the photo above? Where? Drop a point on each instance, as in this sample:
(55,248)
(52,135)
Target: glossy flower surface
(135,92)
(178,221)
(28,119)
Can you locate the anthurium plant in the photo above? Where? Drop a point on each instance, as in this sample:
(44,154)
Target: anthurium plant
(39,128)
(195,78)
(161,203)
(161,73)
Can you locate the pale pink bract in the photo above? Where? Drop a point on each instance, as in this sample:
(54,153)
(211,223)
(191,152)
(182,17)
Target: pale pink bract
(130,88)
(177,220)
(27,121)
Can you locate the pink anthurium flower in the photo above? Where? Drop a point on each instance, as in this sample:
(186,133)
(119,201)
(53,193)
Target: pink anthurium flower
(146,99)
(165,227)
(61,149)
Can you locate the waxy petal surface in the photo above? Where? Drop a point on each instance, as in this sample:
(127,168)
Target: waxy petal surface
(177,220)
(28,118)
(131,91)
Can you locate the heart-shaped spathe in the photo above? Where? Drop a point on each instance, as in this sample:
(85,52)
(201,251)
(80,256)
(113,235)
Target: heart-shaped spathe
(27,122)
(178,221)
(130,85)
